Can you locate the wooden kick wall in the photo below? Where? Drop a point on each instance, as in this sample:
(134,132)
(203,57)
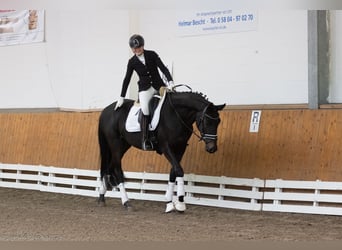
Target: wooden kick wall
(298,144)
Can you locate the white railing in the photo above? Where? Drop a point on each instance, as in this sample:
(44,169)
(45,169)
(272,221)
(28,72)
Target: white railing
(314,197)
(200,190)
(49,179)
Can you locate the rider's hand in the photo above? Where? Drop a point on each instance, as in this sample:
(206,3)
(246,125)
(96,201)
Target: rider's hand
(119,103)
(170,85)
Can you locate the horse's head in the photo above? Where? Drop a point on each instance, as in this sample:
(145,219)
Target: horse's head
(207,122)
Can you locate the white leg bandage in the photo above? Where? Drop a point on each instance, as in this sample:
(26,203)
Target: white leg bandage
(180,186)
(169,191)
(123,193)
(103,188)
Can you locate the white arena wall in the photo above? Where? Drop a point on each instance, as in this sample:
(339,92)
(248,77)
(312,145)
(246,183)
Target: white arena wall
(82,63)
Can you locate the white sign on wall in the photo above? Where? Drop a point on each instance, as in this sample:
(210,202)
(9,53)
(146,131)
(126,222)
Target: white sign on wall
(19,27)
(255,121)
(192,23)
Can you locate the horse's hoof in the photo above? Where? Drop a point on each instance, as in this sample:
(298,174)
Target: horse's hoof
(101,201)
(180,206)
(169,207)
(128,206)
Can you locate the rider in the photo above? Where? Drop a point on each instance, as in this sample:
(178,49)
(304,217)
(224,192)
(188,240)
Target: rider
(146,64)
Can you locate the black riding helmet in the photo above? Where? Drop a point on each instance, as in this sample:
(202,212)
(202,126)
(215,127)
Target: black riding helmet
(136,41)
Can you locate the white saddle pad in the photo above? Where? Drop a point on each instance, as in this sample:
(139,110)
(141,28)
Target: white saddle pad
(132,123)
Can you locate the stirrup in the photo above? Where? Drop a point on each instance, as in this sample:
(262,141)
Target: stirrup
(147,145)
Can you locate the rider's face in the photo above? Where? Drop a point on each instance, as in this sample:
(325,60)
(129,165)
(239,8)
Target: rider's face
(138,51)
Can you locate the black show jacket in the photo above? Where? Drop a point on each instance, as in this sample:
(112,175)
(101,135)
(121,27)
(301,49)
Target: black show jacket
(148,73)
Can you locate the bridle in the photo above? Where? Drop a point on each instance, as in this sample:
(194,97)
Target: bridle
(206,136)
(202,136)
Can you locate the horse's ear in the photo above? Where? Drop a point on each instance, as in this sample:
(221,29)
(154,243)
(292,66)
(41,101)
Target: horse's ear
(220,107)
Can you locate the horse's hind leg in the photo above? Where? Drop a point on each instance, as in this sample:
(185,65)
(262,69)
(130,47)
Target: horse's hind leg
(114,178)
(105,153)
(102,192)
(117,171)
(111,171)
(108,182)
(124,198)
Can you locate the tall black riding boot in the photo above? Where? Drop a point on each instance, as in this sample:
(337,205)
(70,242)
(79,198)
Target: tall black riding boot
(146,143)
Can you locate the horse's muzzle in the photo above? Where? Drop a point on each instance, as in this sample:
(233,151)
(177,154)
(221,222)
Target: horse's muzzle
(211,146)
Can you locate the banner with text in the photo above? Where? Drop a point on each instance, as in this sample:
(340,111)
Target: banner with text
(192,23)
(21,27)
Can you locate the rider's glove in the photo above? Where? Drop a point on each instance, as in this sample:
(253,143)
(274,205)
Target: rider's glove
(119,103)
(170,85)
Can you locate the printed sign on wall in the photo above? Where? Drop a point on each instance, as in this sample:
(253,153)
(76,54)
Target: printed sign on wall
(255,121)
(192,23)
(21,27)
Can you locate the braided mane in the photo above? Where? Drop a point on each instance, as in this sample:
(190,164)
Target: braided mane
(200,94)
(191,92)
(196,95)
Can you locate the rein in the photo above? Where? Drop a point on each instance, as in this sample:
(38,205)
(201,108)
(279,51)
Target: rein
(182,121)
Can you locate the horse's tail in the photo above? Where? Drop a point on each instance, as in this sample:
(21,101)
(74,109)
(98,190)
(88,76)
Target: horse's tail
(104,152)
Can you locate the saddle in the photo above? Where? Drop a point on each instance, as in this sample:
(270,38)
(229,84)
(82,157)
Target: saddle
(135,113)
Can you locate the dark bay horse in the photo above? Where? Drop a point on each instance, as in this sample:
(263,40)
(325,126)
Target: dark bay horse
(178,113)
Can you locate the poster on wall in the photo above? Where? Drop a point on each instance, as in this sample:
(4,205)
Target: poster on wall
(194,23)
(21,27)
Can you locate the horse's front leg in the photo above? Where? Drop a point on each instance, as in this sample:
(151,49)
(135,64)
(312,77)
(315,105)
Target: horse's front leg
(179,204)
(176,177)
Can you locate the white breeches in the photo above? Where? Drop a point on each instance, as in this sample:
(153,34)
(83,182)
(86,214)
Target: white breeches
(144,98)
